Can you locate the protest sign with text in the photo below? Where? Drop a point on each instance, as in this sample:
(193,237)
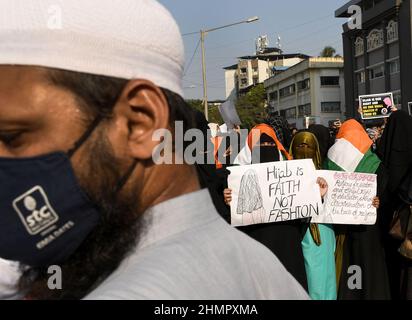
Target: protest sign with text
(273,192)
(349,198)
(376,106)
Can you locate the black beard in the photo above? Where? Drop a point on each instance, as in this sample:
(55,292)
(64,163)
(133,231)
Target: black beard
(108,244)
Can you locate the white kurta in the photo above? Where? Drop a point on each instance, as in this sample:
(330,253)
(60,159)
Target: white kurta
(189,252)
(9,276)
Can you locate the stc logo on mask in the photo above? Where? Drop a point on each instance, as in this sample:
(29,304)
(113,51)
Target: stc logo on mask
(35,210)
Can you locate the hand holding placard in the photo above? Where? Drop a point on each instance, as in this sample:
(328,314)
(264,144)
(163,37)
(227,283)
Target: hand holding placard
(273,192)
(376,106)
(349,200)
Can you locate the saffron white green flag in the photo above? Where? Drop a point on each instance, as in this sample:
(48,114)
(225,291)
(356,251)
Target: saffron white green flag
(351,151)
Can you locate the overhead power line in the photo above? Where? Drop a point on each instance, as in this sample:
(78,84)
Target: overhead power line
(191,59)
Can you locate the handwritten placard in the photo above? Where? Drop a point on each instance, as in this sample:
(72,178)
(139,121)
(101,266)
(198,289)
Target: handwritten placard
(273,192)
(349,198)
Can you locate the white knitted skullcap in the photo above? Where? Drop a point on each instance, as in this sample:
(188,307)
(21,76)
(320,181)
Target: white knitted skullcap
(129,39)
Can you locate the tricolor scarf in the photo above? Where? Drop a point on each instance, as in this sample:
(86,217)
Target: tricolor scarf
(350,153)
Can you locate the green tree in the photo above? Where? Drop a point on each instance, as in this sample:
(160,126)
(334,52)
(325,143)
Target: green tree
(214,114)
(328,52)
(251,107)
(195,104)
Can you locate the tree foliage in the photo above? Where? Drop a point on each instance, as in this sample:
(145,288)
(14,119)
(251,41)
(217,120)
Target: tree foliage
(252,107)
(214,114)
(328,52)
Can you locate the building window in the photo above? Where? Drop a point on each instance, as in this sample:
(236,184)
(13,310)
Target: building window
(287,91)
(305,110)
(361,77)
(375,39)
(369,4)
(392,31)
(329,81)
(273,95)
(255,70)
(290,113)
(255,81)
(394,66)
(359,46)
(272,104)
(243,70)
(304,85)
(376,72)
(331,107)
(243,82)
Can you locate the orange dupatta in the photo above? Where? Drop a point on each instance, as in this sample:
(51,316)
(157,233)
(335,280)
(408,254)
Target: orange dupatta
(257,131)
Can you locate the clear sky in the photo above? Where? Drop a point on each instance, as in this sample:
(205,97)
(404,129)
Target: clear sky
(305,26)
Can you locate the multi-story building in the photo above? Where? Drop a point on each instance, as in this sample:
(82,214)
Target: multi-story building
(310,90)
(252,70)
(378,56)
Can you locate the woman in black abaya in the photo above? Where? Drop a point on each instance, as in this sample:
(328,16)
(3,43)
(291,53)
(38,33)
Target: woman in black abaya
(282,238)
(395,184)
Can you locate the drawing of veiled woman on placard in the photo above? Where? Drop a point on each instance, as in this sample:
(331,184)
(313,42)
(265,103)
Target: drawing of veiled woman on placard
(250,202)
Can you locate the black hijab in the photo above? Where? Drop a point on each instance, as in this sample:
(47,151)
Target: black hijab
(395,151)
(324,138)
(281,127)
(209,177)
(266,153)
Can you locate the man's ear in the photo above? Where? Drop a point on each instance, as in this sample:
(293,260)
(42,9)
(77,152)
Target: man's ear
(145,109)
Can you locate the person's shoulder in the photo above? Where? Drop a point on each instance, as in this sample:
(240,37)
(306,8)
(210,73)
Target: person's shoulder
(214,261)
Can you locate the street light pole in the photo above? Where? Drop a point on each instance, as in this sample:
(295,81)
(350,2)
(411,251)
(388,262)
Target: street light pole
(203,34)
(205,102)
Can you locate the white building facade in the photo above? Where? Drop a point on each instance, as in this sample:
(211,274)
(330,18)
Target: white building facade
(311,91)
(252,70)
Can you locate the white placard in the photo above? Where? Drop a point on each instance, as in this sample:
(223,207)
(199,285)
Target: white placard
(349,198)
(273,192)
(229,114)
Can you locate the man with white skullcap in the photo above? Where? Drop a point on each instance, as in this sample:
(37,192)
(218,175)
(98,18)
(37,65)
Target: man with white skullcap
(84,85)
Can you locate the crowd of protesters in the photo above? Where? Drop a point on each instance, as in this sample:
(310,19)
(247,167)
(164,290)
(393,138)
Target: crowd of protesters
(81,193)
(318,255)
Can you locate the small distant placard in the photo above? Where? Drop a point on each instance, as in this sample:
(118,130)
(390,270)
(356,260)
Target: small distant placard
(376,106)
(229,114)
(308,121)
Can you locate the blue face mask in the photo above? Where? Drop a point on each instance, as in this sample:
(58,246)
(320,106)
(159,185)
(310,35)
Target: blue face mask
(44,213)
